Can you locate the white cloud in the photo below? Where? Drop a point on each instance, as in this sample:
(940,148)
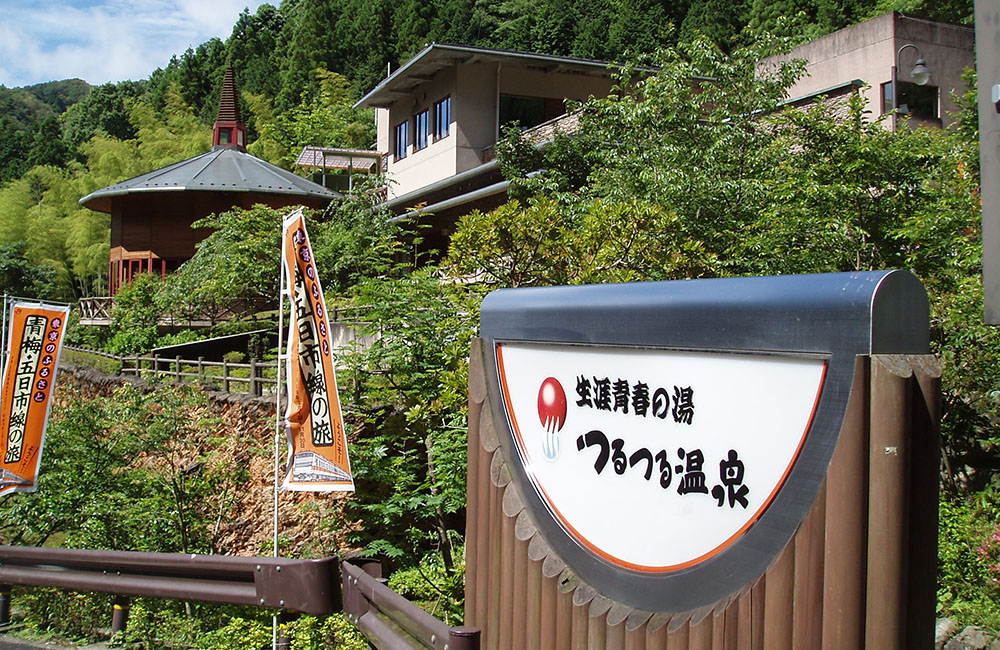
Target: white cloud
(105,40)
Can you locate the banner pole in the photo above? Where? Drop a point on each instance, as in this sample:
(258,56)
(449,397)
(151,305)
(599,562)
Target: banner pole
(3,330)
(277,402)
(277,415)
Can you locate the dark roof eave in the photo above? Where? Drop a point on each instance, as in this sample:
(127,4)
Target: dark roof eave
(372,98)
(101,201)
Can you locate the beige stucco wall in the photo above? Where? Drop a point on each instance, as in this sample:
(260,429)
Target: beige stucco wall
(475,111)
(435,161)
(532,82)
(866,51)
(474,89)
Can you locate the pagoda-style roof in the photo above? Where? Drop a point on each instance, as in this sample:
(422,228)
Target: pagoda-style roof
(223,169)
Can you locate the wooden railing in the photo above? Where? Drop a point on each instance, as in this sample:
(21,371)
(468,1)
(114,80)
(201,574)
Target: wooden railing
(258,377)
(96,309)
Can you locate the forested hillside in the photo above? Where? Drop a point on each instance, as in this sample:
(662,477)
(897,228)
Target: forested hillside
(277,49)
(300,66)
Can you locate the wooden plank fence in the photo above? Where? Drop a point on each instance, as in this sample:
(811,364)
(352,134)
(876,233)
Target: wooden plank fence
(258,377)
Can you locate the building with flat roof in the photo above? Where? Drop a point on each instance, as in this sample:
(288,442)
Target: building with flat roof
(441,114)
(867,52)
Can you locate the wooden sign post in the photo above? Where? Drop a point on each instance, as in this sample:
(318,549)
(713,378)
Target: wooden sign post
(731,463)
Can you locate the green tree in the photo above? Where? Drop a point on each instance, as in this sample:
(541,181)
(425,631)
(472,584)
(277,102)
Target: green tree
(135,316)
(324,119)
(235,269)
(104,110)
(47,147)
(19,277)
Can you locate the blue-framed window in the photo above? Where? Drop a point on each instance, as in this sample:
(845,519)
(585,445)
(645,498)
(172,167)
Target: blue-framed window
(401,136)
(421,129)
(442,118)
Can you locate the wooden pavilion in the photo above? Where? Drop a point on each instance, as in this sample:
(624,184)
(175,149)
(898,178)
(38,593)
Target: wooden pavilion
(152,214)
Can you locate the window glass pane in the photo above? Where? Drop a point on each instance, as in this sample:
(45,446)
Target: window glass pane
(526,111)
(401,140)
(421,131)
(918,101)
(442,118)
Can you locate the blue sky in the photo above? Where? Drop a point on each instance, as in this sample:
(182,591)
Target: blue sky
(105,40)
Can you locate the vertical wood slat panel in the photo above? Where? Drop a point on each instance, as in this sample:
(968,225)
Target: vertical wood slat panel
(581,617)
(778,606)
(473,488)
(678,638)
(890,410)
(506,621)
(845,564)
(744,622)
(616,619)
(564,618)
(635,631)
(597,623)
(534,601)
(485,527)
(549,599)
(757,599)
(493,561)
(519,625)
(925,458)
(807,625)
(718,618)
(700,634)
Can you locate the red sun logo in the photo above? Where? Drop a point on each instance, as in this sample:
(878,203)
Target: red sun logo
(552,405)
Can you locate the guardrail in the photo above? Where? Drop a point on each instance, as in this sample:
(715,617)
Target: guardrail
(391,622)
(303,585)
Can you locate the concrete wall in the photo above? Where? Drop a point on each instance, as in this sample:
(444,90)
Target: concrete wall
(866,51)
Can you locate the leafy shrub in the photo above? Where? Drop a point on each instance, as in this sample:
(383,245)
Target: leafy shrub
(135,315)
(64,614)
(162,625)
(968,559)
(332,632)
(438,590)
(238,634)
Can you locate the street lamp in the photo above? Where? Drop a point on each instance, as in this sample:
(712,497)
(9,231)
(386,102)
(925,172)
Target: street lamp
(920,74)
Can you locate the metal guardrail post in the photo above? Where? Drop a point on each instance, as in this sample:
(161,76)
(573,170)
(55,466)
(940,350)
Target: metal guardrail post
(284,618)
(201,369)
(119,620)
(464,638)
(156,364)
(5,605)
(225,375)
(177,368)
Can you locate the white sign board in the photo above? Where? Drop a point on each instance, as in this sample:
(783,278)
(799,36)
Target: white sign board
(656,460)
